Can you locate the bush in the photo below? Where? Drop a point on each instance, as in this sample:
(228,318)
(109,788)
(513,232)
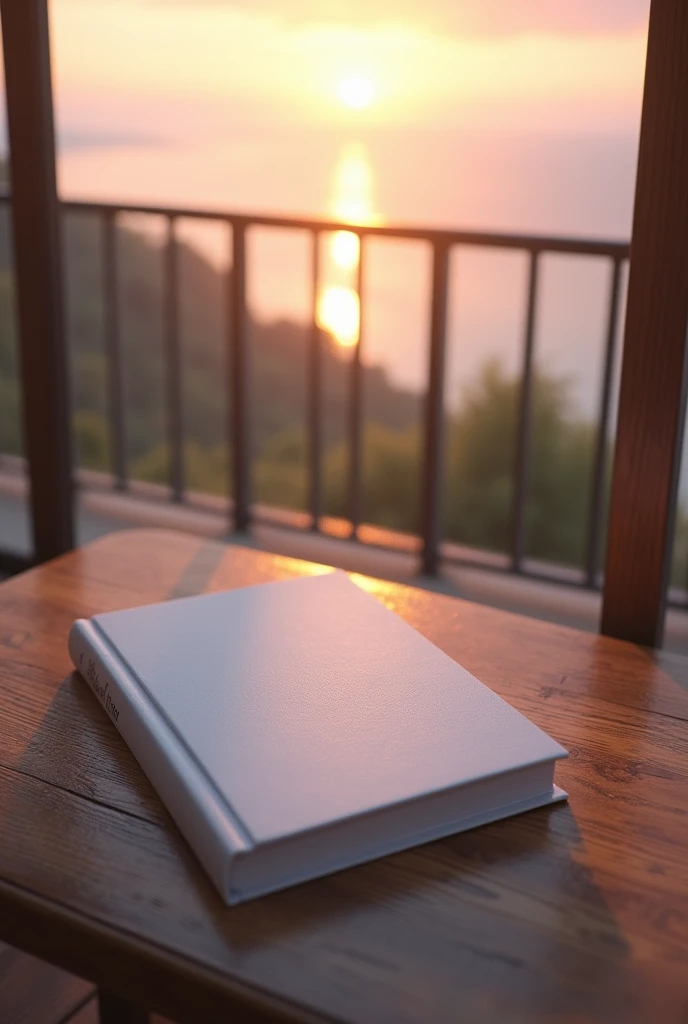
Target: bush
(481,464)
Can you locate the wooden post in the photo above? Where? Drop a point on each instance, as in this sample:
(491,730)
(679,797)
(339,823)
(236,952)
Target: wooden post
(652,395)
(36,238)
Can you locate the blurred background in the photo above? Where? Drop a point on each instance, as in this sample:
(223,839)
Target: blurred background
(515,122)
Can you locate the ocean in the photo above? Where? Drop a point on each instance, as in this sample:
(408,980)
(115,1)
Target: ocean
(577,185)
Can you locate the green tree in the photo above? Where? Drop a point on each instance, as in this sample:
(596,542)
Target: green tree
(91,440)
(205,469)
(390,482)
(480,468)
(280,475)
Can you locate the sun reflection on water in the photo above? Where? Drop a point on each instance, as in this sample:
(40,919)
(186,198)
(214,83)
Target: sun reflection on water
(338,301)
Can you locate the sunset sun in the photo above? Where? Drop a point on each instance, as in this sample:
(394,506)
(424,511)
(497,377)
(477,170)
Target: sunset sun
(356,91)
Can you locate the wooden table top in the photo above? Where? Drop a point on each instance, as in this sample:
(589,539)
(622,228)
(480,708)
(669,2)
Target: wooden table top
(578,912)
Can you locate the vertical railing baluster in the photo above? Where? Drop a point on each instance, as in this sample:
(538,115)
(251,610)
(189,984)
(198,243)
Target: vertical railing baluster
(356,408)
(175,422)
(314,424)
(524,425)
(597,495)
(433,455)
(238,382)
(113,352)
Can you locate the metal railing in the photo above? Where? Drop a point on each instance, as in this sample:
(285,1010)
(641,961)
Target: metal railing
(441,243)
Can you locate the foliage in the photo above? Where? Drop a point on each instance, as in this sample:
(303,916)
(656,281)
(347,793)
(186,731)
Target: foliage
(390,484)
(205,469)
(91,439)
(481,468)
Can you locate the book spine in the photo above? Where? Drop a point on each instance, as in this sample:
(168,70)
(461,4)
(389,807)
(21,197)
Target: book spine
(199,813)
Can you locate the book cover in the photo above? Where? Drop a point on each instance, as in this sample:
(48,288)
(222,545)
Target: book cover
(297,727)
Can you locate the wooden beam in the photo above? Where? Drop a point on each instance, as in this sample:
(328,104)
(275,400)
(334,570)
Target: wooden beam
(652,395)
(35,223)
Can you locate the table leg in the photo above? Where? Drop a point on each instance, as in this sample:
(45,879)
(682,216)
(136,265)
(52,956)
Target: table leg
(113,1010)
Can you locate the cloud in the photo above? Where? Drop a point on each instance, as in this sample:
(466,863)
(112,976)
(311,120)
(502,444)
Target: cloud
(461,17)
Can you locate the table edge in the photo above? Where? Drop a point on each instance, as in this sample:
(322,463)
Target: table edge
(146,974)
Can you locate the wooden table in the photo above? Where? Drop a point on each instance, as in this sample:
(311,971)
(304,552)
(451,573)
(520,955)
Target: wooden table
(574,913)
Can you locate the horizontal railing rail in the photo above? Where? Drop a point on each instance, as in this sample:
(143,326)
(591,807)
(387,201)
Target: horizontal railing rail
(442,242)
(448,236)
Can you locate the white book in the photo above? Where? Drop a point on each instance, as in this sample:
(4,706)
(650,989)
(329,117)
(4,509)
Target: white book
(296,728)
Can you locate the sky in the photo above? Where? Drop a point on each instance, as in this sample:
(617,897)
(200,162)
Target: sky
(511,115)
(531,63)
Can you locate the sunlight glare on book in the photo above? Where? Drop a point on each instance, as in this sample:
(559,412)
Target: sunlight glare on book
(293,729)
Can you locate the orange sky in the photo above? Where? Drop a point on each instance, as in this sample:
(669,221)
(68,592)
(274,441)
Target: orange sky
(213,102)
(552,64)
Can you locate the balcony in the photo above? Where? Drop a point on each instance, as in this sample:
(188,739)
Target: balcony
(217,457)
(304,482)
(325,480)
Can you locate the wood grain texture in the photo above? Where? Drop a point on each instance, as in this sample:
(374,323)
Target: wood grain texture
(579,912)
(32,992)
(652,393)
